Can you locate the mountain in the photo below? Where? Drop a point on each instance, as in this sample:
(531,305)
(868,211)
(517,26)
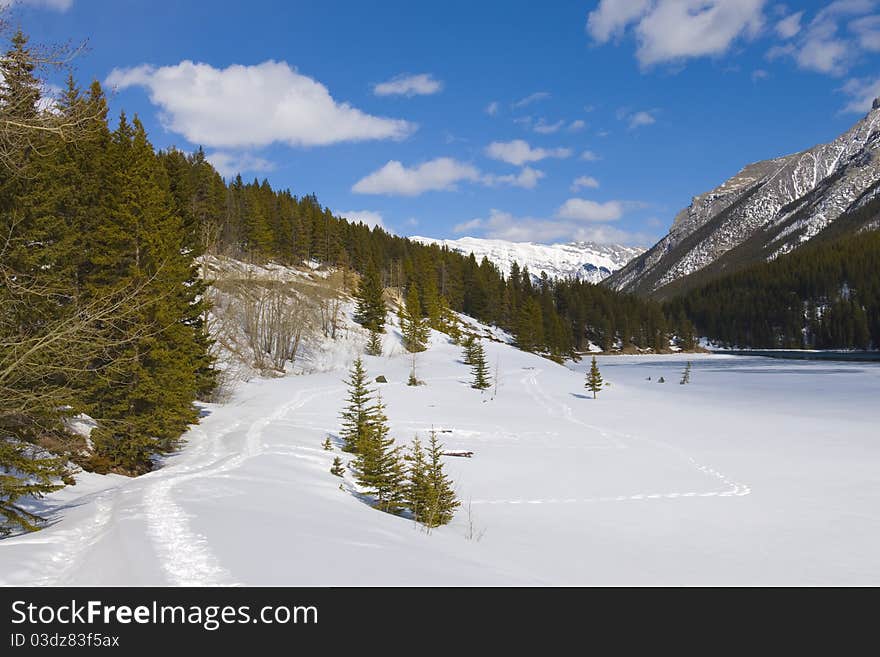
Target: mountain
(767,209)
(586,261)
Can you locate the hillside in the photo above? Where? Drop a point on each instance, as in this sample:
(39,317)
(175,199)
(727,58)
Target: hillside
(766,210)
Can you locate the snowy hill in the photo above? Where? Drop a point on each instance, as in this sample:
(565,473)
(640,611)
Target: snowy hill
(767,209)
(561,489)
(586,261)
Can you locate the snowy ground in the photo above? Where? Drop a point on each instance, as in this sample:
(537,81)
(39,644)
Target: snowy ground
(759,472)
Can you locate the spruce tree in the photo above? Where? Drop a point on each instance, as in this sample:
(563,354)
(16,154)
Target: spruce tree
(479,367)
(327,445)
(374,344)
(418,486)
(337,469)
(441,500)
(378,464)
(356,416)
(594,379)
(370,298)
(412,325)
(686,375)
(467,344)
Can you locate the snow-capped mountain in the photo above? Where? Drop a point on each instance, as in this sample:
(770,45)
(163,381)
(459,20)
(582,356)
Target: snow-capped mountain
(767,209)
(586,261)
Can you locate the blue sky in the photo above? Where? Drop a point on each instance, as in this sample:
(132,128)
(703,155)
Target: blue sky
(514,119)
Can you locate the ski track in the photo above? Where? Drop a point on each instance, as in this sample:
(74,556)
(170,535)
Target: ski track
(185,556)
(732,488)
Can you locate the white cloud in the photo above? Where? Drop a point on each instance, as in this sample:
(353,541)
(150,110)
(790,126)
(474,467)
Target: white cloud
(639,119)
(527,178)
(824,47)
(57,5)
(394,179)
(230,164)
(544,128)
(531,98)
(590,156)
(789,26)
(574,126)
(242,106)
(862,93)
(518,152)
(492,108)
(580,209)
(759,74)
(867,30)
(422,84)
(367,217)
(584,182)
(675,30)
(503,225)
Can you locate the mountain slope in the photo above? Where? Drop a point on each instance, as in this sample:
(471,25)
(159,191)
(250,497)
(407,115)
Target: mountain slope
(767,209)
(586,261)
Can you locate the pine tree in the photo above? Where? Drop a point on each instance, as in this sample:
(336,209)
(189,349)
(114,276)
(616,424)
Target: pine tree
(686,375)
(370,297)
(374,344)
(418,486)
(412,325)
(356,416)
(441,501)
(337,469)
(479,367)
(378,465)
(594,379)
(327,445)
(468,343)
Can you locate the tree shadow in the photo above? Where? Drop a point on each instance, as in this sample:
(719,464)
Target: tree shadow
(579,395)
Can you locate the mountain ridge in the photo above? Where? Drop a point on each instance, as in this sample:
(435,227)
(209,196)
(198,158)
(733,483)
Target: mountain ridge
(766,209)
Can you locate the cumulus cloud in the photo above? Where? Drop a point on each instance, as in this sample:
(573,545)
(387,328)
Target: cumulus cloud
(676,30)
(504,225)
(244,106)
(394,179)
(492,108)
(527,178)
(584,182)
(759,74)
(519,152)
(577,125)
(544,128)
(590,156)
(832,41)
(580,209)
(531,98)
(862,92)
(422,84)
(639,119)
(789,26)
(230,164)
(369,218)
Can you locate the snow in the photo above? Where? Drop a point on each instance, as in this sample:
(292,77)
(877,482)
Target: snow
(759,472)
(586,261)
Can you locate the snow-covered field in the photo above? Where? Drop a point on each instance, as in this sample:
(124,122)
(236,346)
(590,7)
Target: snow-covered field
(758,472)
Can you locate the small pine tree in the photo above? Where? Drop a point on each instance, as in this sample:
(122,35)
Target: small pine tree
(479,367)
(594,379)
(467,344)
(378,465)
(356,416)
(412,325)
(418,485)
(327,445)
(441,501)
(337,468)
(374,344)
(686,375)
